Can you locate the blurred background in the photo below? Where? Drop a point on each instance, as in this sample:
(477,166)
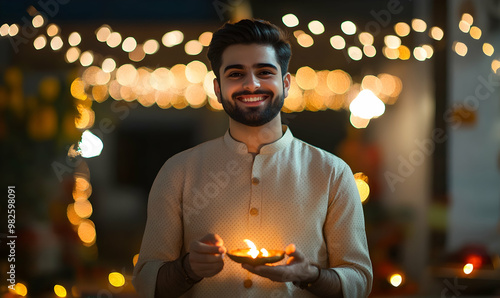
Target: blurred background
(96,95)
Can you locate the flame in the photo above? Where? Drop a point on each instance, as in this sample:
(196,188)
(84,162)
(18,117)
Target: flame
(264,252)
(253,249)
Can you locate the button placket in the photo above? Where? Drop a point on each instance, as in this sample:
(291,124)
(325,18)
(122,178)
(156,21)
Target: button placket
(256,198)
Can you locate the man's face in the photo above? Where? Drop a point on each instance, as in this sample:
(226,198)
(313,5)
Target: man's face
(252,88)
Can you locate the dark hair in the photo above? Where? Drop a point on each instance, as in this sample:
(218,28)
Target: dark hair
(249,32)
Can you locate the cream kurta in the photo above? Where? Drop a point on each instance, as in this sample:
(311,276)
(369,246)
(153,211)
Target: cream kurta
(291,192)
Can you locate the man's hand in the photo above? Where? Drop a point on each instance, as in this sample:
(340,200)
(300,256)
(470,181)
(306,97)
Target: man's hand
(297,268)
(206,256)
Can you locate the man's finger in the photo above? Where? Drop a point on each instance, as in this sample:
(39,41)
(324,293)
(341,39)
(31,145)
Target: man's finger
(212,239)
(202,248)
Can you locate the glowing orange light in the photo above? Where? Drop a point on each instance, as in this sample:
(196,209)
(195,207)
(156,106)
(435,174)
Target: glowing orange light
(253,252)
(468,268)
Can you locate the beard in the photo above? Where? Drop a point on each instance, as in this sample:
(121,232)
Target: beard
(254,116)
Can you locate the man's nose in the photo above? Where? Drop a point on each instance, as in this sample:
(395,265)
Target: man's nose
(252,83)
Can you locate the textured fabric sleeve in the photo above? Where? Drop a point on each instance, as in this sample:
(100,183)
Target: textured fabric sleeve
(345,235)
(163,235)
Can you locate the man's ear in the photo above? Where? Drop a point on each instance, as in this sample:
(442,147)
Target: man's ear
(217,90)
(287,81)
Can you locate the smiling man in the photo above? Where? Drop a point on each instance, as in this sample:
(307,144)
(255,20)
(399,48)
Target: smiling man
(256,182)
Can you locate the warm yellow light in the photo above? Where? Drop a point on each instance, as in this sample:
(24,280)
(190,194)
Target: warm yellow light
(475,32)
(86,117)
(208,84)
(103,33)
(56,43)
(205,38)
(116,279)
(4,30)
(151,46)
(358,122)
(74,39)
(126,75)
(365,38)
(429,50)
(339,81)
(355,53)
(305,40)
(396,280)
(418,25)
(392,41)
(72,54)
(264,252)
(316,27)
(40,42)
(337,42)
(52,30)
(137,54)
(108,65)
(135,259)
(13,30)
(436,33)
(488,49)
(77,89)
(114,39)
(363,187)
(179,76)
(402,29)
(196,71)
(86,58)
(372,83)
(290,20)
(420,53)
(100,93)
(21,289)
(367,105)
(172,38)
(404,53)
(390,53)
(495,65)
(195,95)
(466,17)
(369,51)
(348,27)
(72,216)
(37,21)
(253,252)
(86,232)
(129,44)
(306,78)
(464,26)
(468,268)
(460,48)
(83,208)
(193,47)
(60,291)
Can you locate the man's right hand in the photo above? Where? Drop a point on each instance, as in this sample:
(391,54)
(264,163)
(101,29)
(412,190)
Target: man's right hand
(206,256)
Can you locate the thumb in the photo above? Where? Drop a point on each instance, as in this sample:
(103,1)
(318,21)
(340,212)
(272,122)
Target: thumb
(294,254)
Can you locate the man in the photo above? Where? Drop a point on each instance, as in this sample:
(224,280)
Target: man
(256,182)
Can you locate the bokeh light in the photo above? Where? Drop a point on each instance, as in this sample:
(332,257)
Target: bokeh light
(402,29)
(290,20)
(460,48)
(60,291)
(193,47)
(436,33)
(348,27)
(396,280)
(316,27)
(305,40)
(355,53)
(337,42)
(116,279)
(418,25)
(488,49)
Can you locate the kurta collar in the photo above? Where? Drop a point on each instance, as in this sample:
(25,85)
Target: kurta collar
(271,148)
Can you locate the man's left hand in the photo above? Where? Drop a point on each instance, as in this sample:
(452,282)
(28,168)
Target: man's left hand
(297,268)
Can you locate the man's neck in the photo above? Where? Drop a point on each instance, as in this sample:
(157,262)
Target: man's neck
(258,136)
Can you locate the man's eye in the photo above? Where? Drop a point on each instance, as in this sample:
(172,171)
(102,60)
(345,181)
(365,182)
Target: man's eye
(266,72)
(235,75)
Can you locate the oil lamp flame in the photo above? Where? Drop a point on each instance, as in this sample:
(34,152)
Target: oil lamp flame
(264,252)
(253,249)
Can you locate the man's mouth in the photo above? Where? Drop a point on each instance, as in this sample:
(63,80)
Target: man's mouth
(250,99)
